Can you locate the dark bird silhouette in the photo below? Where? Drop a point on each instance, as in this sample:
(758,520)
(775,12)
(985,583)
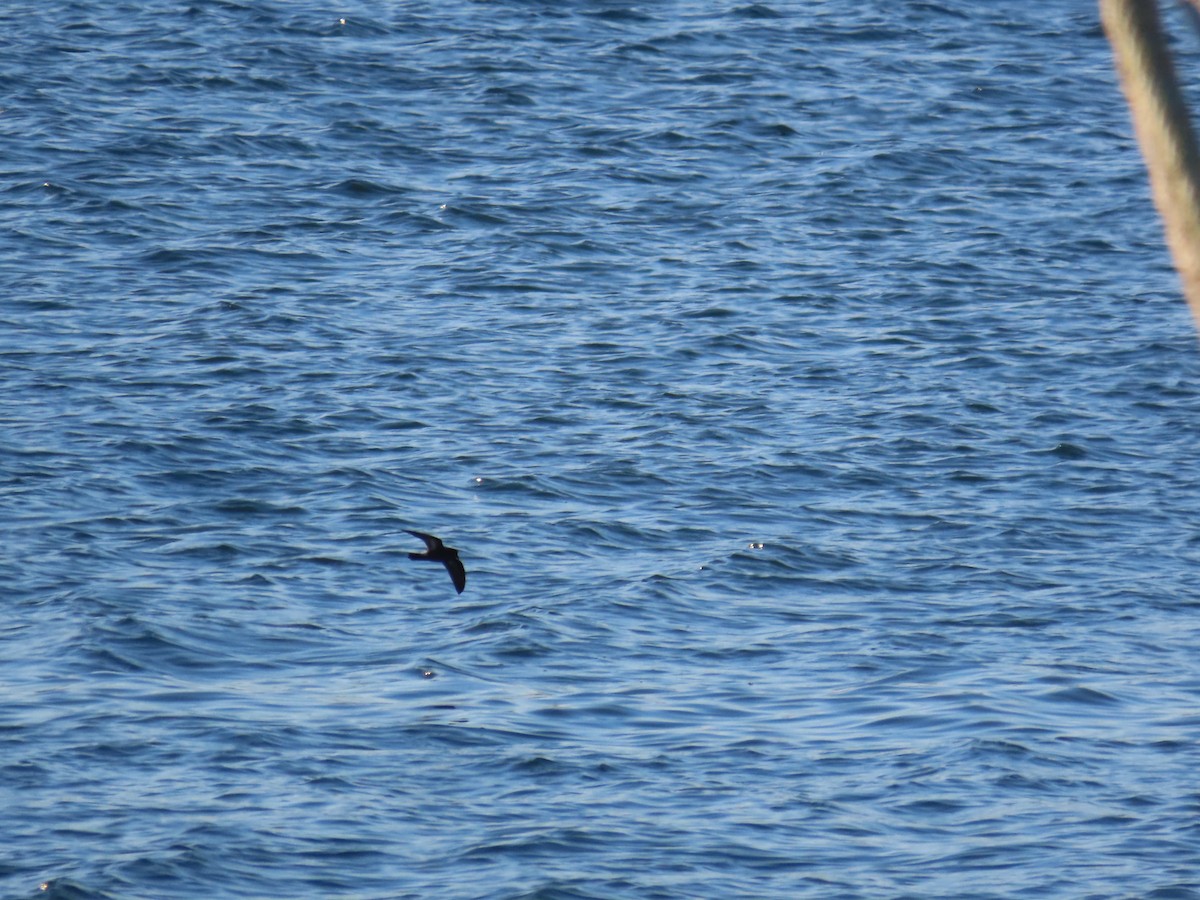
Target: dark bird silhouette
(436,551)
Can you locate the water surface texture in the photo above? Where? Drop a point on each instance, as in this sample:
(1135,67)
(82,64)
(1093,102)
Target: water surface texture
(804,384)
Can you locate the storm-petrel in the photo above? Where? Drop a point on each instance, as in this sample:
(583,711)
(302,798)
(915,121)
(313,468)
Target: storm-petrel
(436,551)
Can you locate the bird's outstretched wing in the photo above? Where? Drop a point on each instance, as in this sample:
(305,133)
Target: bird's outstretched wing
(431,543)
(458,574)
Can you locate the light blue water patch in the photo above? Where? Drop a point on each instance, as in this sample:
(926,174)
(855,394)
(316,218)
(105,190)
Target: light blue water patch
(805,386)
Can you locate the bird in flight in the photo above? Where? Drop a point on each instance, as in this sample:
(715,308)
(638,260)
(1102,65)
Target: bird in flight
(436,551)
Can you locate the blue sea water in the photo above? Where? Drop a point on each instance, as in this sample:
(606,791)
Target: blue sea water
(805,385)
